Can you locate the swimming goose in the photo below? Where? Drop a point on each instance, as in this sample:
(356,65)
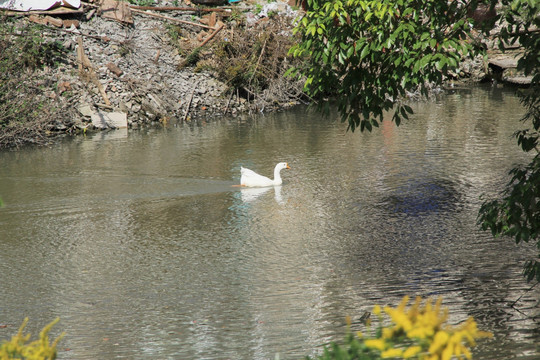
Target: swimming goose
(250,178)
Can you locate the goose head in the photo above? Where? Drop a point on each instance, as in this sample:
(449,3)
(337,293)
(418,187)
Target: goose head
(282,165)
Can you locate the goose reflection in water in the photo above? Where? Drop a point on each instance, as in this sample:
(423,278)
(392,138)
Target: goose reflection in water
(251,194)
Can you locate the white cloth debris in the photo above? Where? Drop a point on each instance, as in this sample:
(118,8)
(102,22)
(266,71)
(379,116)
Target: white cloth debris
(27,5)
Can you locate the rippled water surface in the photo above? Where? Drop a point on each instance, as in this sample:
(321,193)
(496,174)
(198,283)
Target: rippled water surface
(142,247)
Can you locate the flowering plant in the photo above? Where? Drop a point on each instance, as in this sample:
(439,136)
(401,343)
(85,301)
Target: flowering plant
(19,346)
(419,331)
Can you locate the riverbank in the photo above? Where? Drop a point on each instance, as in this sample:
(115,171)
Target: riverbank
(98,67)
(141,67)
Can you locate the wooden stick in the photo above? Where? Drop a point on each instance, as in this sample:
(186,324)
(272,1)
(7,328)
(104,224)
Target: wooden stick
(80,56)
(86,63)
(228,102)
(189,103)
(258,62)
(212,35)
(171,19)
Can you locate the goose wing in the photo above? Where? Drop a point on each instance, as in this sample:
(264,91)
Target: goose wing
(251,178)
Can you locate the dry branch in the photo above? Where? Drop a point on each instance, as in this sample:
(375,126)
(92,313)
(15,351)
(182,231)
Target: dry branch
(221,26)
(84,62)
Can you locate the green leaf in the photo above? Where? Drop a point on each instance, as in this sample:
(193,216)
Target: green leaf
(425,36)
(441,63)
(365,52)
(424,61)
(350,52)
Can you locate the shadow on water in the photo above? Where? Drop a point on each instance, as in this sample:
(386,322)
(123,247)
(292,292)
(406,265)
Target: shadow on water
(424,196)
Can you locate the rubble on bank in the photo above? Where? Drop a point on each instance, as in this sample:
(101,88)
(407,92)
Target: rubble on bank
(126,66)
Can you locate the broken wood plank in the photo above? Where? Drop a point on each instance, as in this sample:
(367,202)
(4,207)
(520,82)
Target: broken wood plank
(49,20)
(116,10)
(54,21)
(68,23)
(37,19)
(80,56)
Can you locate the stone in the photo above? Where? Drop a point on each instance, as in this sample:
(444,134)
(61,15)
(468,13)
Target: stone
(85,110)
(103,120)
(114,69)
(155,99)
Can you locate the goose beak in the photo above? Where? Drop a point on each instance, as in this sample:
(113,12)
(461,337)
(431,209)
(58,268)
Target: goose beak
(288,167)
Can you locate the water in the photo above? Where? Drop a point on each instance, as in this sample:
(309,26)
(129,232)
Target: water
(142,247)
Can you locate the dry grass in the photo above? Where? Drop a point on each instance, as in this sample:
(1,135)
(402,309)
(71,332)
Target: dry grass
(250,61)
(27,115)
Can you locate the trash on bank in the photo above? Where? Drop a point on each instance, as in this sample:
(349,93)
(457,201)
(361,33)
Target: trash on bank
(32,5)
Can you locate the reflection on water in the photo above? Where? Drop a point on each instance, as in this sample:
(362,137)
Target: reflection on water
(144,249)
(251,194)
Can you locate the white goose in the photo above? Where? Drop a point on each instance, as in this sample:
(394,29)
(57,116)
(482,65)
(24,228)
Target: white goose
(250,178)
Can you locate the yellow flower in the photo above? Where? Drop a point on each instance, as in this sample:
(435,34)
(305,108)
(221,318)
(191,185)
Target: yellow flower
(439,342)
(447,352)
(391,353)
(378,344)
(399,318)
(412,351)
(387,333)
(428,335)
(420,332)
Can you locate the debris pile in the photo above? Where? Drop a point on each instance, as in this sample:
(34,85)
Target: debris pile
(125,65)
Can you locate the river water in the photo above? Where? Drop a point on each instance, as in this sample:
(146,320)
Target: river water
(142,247)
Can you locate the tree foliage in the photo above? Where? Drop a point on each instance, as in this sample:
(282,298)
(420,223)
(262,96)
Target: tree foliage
(517,212)
(371,53)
